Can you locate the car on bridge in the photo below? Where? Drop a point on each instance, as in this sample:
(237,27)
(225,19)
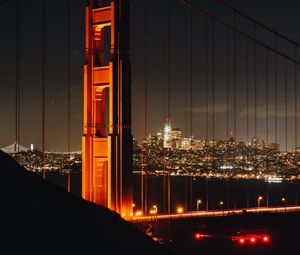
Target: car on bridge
(252,237)
(242,236)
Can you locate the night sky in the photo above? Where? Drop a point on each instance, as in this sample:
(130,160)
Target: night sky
(281,16)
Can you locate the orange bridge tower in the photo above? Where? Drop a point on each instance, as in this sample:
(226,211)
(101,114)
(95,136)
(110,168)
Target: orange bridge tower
(107,138)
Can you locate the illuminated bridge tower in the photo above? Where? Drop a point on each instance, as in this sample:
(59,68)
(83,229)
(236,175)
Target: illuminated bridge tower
(107,140)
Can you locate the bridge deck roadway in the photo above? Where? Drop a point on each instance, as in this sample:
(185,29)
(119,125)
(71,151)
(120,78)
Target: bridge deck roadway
(214,213)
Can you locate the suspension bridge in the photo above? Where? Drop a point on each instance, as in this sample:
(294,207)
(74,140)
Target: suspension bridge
(227,82)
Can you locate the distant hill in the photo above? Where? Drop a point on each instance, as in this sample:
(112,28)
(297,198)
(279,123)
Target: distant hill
(38,216)
(11,149)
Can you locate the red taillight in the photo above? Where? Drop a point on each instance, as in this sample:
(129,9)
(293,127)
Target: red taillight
(253,240)
(266,239)
(241,240)
(198,236)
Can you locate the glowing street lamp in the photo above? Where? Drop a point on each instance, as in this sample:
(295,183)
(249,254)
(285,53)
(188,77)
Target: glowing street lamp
(221,203)
(283,200)
(179,209)
(258,201)
(155,208)
(199,202)
(138,213)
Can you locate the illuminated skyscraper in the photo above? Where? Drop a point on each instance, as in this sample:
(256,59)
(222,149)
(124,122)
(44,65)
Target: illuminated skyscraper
(176,138)
(167,134)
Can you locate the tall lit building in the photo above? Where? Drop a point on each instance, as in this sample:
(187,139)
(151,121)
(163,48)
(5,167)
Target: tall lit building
(176,138)
(176,134)
(159,135)
(167,134)
(256,143)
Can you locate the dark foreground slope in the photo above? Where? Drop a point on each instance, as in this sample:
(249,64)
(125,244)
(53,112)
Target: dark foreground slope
(38,216)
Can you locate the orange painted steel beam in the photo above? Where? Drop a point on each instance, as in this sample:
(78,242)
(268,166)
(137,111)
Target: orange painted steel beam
(107,147)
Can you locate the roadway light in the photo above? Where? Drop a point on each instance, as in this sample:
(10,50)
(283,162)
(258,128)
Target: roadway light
(155,208)
(138,213)
(221,203)
(283,200)
(199,201)
(258,200)
(179,209)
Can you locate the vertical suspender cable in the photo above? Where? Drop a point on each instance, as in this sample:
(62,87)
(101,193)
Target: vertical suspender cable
(247,109)
(186,99)
(69,91)
(207,78)
(145,98)
(234,92)
(296,102)
(247,89)
(267,106)
(267,121)
(206,101)
(167,111)
(168,101)
(227,104)
(43,88)
(191,98)
(234,80)
(227,83)
(191,72)
(286,104)
(213,84)
(275,91)
(17,88)
(142,121)
(255,85)
(296,113)
(186,77)
(165,108)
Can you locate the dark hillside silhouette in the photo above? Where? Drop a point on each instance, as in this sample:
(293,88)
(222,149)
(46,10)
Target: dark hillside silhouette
(36,215)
